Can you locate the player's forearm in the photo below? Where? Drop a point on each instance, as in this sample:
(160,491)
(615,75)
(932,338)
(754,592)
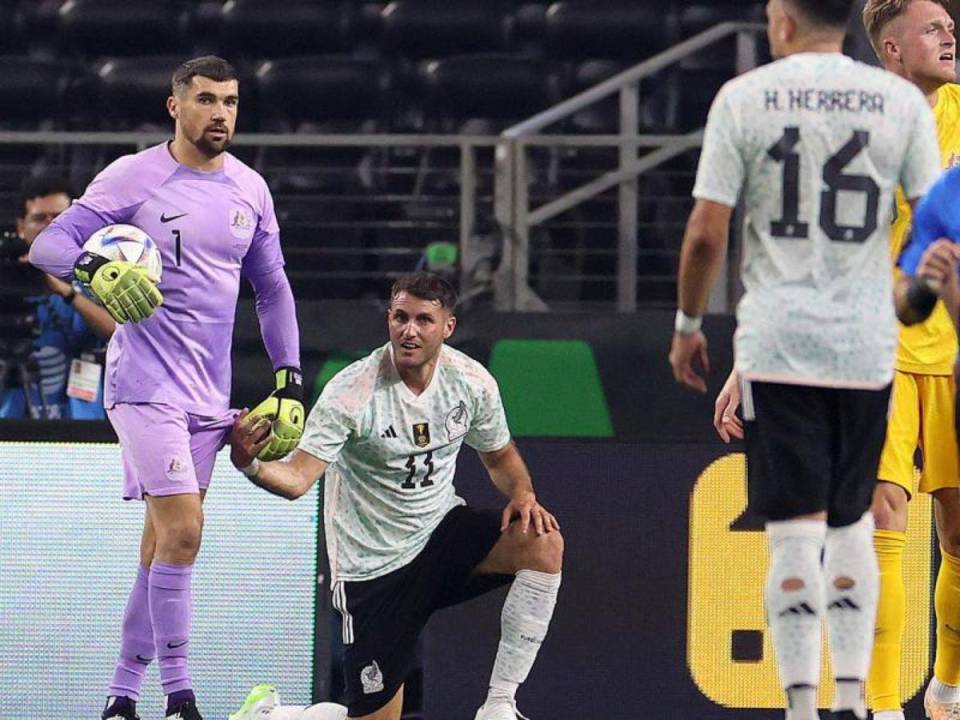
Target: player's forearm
(97,319)
(700,262)
(281,478)
(278,318)
(508,471)
(56,249)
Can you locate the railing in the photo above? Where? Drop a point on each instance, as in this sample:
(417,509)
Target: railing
(513,213)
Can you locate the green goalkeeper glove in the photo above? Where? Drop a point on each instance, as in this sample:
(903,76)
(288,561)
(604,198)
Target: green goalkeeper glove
(126,290)
(284,410)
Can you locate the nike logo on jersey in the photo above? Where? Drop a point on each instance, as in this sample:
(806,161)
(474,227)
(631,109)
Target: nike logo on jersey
(165,219)
(389,433)
(174,646)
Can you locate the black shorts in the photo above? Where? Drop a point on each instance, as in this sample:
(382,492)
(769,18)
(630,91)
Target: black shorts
(812,449)
(383,617)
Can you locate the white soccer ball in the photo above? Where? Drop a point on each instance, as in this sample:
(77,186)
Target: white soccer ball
(130,243)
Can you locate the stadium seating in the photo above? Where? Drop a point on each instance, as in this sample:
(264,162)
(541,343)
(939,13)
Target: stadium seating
(411,66)
(31,92)
(623,29)
(132,91)
(255,29)
(486,86)
(420,29)
(97,28)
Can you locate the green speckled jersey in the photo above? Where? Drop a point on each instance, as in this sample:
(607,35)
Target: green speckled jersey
(818,143)
(392,455)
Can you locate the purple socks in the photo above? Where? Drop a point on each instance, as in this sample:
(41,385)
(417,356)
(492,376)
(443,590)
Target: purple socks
(157,615)
(136,641)
(171,609)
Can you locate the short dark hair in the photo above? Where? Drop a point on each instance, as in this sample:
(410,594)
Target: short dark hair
(426,286)
(40,185)
(208,66)
(835,13)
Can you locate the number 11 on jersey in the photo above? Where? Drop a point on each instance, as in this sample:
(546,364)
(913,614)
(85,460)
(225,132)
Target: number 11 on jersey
(409,482)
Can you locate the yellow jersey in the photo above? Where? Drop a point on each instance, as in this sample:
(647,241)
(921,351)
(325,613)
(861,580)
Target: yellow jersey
(930,348)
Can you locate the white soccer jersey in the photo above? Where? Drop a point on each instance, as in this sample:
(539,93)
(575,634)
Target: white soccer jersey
(819,143)
(392,455)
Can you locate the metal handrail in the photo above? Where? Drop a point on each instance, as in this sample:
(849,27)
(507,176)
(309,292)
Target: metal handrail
(629,77)
(54,137)
(512,202)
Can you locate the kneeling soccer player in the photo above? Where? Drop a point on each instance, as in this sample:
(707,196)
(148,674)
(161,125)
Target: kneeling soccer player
(387,431)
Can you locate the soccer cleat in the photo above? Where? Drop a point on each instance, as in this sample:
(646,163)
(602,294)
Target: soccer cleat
(499,710)
(185,711)
(260,701)
(939,711)
(119,708)
(846,715)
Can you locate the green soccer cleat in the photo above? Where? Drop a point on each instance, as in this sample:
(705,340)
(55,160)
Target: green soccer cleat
(259,703)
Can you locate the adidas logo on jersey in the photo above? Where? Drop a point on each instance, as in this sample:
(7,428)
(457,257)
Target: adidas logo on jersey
(389,433)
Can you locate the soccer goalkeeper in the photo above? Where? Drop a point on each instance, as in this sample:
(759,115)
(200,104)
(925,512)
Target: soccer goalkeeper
(168,365)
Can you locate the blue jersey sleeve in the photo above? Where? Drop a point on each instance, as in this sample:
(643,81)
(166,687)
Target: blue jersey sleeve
(931,221)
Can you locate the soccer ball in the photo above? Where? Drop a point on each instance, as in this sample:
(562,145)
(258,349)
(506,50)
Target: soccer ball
(130,243)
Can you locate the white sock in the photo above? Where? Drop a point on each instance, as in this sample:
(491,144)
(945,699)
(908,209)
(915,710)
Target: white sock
(889,715)
(795,601)
(802,703)
(851,695)
(850,559)
(323,711)
(523,625)
(943,693)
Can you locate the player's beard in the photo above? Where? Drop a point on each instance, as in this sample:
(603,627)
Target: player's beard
(209,148)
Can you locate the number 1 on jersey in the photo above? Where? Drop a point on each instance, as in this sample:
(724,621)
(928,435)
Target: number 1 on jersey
(835,180)
(176,237)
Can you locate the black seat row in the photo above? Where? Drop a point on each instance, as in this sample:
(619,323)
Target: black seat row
(411,29)
(335,93)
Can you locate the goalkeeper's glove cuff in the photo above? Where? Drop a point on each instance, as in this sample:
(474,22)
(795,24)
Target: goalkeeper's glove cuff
(289,383)
(87,265)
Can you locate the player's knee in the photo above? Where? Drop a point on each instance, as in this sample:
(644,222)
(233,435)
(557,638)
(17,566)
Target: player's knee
(180,541)
(950,541)
(889,507)
(792,584)
(546,553)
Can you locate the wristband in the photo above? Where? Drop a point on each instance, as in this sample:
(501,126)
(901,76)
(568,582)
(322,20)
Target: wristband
(252,469)
(922,298)
(686,324)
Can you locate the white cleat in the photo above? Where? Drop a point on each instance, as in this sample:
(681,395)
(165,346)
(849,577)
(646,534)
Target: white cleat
(939,711)
(499,710)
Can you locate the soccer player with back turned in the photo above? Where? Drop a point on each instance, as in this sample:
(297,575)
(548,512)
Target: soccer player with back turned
(818,143)
(168,364)
(915,40)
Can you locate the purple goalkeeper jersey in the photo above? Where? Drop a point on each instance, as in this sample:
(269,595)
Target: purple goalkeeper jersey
(210,227)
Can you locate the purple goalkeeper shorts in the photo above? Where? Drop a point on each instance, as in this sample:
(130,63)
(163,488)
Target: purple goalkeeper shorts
(167,451)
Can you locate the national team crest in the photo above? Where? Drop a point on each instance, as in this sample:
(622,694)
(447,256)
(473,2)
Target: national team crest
(421,434)
(371,677)
(456,421)
(241,223)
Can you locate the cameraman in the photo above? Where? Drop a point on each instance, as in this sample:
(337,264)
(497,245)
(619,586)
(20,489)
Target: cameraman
(67,357)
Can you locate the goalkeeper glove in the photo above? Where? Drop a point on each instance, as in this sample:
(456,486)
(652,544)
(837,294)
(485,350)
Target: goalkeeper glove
(284,410)
(126,290)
